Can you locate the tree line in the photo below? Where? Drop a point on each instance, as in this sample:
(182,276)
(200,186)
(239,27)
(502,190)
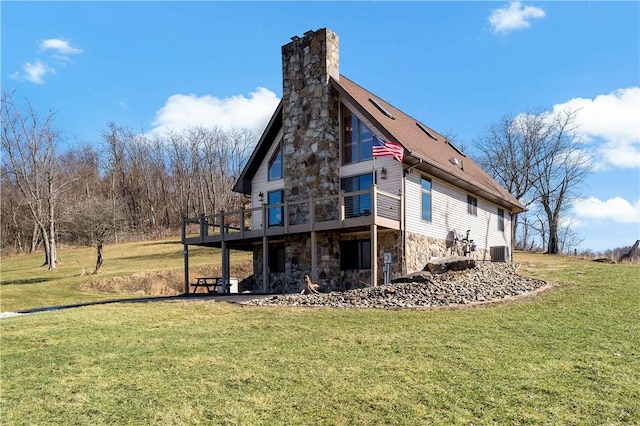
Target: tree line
(134,185)
(124,184)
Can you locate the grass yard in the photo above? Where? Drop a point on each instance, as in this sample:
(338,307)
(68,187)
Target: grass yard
(129,270)
(568,356)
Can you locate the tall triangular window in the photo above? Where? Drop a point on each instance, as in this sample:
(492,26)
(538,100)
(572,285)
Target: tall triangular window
(276,164)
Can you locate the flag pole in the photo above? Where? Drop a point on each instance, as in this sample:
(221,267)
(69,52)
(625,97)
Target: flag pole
(373,143)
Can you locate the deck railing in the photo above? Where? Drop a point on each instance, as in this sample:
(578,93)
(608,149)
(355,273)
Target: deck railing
(343,210)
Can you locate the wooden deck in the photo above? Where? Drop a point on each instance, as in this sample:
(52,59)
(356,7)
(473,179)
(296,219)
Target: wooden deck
(337,212)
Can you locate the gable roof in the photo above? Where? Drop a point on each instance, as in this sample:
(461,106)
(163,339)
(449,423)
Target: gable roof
(243,185)
(428,150)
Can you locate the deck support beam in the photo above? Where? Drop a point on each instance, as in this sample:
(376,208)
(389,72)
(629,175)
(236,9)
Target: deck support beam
(225,267)
(374,255)
(374,236)
(265,251)
(185,253)
(314,257)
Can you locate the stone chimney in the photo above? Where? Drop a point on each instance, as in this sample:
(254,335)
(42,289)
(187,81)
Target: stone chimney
(310,115)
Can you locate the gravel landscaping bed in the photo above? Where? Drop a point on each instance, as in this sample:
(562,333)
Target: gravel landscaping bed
(487,281)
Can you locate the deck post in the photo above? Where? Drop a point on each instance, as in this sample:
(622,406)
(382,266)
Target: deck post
(285,212)
(374,236)
(203,226)
(185,253)
(265,251)
(225,267)
(242,222)
(374,255)
(224,254)
(314,257)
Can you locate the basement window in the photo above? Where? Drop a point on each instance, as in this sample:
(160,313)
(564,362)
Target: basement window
(355,254)
(276,258)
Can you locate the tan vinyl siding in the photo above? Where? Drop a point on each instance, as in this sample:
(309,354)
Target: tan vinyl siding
(261,183)
(449,212)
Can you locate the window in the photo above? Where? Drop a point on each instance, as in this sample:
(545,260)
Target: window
(500,220)
(357,205)
(426,199)
(355,254)
(357,140)
(472,205)
(275,164)
(276,258)
(275,214)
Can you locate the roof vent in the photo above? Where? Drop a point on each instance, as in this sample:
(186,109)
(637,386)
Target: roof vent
(454,161)
(381,108)
(295,38)
(424,129)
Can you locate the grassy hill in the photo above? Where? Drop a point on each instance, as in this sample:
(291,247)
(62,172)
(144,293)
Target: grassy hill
(568,356)
(129,270)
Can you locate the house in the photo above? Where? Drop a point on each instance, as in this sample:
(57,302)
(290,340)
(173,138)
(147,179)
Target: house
(323,204)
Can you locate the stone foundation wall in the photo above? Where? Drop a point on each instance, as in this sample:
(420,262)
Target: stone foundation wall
(298,263)
(421,248)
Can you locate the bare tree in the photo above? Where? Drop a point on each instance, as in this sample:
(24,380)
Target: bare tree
(29,148)
(509,153)
(540,160)
(95,221)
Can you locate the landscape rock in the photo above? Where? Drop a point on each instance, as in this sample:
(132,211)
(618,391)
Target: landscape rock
(442,265)
(486,281)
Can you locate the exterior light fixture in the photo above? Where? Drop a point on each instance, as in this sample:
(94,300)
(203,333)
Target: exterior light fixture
(261,196)
(383,173)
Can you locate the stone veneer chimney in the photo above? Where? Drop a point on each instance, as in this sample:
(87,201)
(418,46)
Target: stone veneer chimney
(310,115)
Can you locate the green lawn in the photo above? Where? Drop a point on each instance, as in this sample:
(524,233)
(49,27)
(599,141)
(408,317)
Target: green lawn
(24,284)
(568,356)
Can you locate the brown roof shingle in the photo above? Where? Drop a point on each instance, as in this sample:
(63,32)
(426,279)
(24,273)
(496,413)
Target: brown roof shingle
(426,145)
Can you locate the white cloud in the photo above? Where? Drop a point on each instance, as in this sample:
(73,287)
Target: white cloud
(34,72)
(59,45)
(613,121)
(513,17)
(183,111)
(615,209)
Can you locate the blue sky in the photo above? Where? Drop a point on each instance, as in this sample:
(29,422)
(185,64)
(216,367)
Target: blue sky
(456,66)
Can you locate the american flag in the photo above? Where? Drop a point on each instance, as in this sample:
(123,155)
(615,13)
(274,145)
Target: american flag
(388,148)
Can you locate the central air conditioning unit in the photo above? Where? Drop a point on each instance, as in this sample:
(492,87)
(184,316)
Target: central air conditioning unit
(499,253)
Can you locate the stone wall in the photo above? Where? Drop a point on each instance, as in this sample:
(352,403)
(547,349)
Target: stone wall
(421,248)
(310,116)
(298,263)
